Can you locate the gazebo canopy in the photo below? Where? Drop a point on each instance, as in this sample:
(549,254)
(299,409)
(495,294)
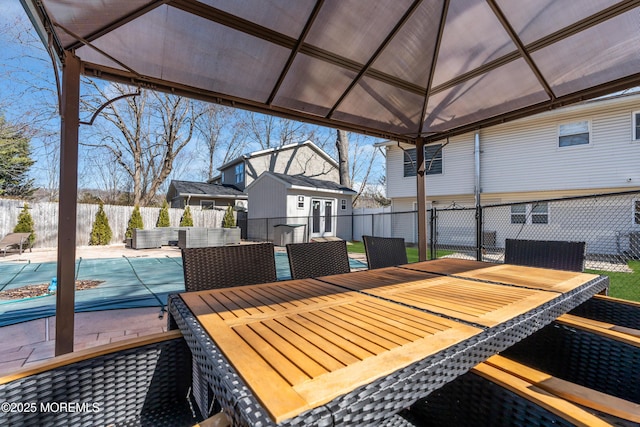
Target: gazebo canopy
(398,69)
(408,70)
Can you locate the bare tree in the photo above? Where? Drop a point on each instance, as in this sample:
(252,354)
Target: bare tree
(145,133)
(29,96)
(220,130)
(271,131)
(342,148)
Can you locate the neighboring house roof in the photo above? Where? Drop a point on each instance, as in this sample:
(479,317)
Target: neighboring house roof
(259,153)
(203,189)
(301,182)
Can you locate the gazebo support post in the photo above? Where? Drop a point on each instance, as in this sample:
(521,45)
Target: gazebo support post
(70,117)
(422,200)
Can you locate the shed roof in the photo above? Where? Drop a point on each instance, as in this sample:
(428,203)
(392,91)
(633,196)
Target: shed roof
(302,182)
(200,189)
(397,69)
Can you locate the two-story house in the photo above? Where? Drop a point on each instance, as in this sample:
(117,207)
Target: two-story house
(585,149)
(304,158)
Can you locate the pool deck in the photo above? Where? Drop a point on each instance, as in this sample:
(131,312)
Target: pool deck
(30,342)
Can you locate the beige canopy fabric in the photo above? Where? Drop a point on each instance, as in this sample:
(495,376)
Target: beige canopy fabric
(398,69)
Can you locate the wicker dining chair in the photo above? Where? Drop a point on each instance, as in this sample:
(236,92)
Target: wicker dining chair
(141,381)
(227,266)
(318,259)
(560,255)
(384,251)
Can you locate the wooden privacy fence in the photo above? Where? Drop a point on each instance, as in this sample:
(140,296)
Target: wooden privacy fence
(45,219)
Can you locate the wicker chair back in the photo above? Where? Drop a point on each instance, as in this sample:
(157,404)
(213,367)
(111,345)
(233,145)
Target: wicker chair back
(545,253)
(318,259)
(226,266)
(384,251)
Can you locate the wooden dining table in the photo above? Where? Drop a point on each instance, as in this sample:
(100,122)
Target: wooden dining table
(356,348)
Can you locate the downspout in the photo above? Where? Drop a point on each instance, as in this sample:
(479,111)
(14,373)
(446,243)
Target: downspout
(476,155)
(422,200)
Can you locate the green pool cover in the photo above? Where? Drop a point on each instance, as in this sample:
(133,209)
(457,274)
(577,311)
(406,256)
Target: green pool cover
(126,283)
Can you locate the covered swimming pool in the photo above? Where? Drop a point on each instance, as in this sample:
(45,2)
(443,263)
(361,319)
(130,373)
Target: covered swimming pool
(127,282)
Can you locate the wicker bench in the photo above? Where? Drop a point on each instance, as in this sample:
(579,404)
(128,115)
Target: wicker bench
(142,381)
(573,349)
(602,403)
(621,315)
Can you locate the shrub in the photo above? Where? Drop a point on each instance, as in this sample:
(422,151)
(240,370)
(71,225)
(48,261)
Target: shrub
(186,220)
(163,217)
(228,221)
(101,231)
(25,224)
(134,222)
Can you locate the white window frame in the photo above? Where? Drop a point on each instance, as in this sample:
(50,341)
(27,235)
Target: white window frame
(239,173)
(518,213)
(204,204)
(635,126)
(343,204)
(567,132)
(534,213)
(300,202)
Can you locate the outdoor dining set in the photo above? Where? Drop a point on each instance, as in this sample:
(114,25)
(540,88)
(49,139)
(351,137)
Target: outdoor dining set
(532,341)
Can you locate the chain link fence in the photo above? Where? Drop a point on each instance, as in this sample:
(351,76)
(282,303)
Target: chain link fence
(608,223)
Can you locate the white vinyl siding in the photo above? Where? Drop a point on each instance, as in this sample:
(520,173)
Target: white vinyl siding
(521,160)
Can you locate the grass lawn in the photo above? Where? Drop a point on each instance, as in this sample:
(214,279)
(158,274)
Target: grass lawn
(412,252)
(621,285)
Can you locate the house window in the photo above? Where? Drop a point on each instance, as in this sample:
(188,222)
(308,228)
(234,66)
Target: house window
(432,159)
(537,213)
(343,204)
(300,202)
(540,213)
(636,211)
(207,204)
(239,173)
(518,214)
(636,125)
(576,133)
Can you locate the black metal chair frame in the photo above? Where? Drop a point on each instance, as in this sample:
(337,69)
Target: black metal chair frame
(384,251)
(317,259)
(226,266)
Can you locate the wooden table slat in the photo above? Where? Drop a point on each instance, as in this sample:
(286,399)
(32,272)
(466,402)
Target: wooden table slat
(299,344)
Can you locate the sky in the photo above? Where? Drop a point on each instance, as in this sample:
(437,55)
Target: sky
(20,102)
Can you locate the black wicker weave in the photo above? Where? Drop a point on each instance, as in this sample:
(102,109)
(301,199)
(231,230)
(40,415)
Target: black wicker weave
(589,359)
(545,253)
(472,400)
(610,310)
(384,251)
(375,403)
(227,266)
(318,259)
(140,386)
